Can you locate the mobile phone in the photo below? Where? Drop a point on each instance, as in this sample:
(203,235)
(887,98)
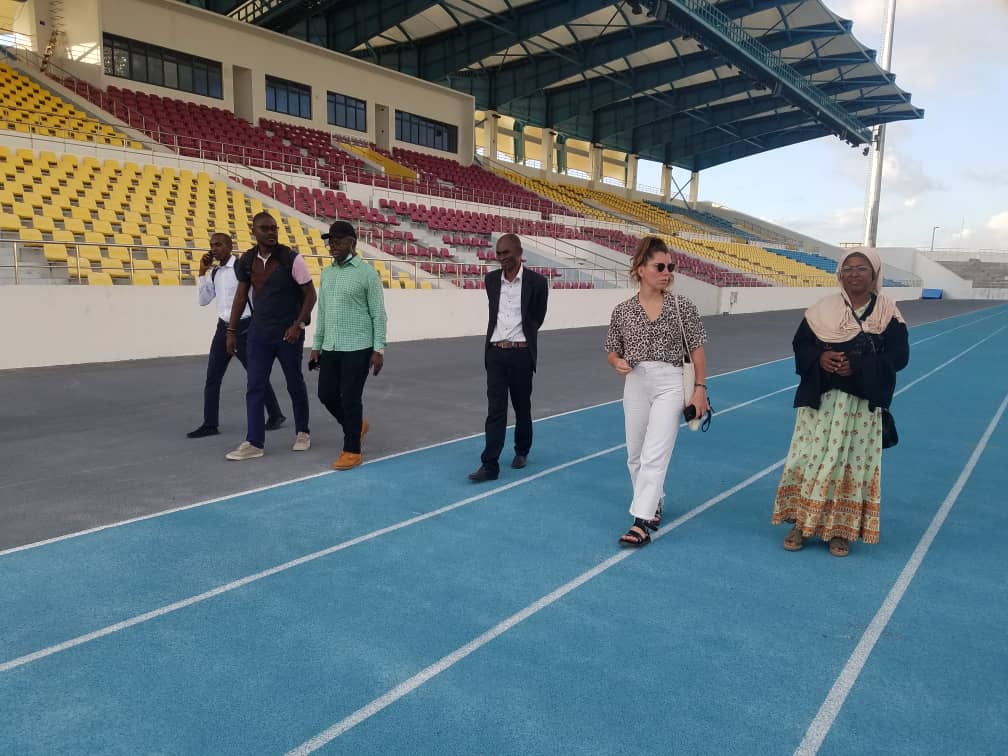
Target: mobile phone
(313,364)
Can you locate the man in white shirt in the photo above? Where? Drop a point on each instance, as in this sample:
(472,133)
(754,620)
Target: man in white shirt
(517,298)
(219,283)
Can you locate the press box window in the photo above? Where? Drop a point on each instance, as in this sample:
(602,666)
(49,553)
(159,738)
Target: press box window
(425,132)
(347,112)
(287,97)
(139,61)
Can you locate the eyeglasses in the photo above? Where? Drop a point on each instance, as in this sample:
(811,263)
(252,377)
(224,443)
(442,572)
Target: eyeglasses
(660,267)
(848,269)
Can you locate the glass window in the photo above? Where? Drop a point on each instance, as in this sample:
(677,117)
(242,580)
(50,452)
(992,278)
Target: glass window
(171,74)
(122,67)
(139,61)
(288,97)
(346,111)
(426,132)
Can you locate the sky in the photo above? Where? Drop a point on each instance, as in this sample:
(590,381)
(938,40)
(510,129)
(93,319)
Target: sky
(949,169)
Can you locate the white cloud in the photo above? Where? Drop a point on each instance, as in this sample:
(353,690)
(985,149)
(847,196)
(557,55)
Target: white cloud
(999,222)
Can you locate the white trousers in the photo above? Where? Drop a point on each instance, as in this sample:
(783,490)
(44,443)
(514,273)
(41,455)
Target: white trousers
(652,411)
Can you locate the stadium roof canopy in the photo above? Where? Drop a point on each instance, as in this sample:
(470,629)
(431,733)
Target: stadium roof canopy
(691,83)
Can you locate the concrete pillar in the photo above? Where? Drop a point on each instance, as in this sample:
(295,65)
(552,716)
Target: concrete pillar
(561,154)
(694,187)
(666,182)
(595,164)
(490,130)
(519,143)
(549,147)
(631,175)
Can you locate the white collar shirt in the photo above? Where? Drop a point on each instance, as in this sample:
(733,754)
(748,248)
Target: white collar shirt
(509,318)
(220,287)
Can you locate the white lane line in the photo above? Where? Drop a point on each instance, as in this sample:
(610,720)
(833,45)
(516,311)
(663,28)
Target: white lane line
(227,587)
(219,590)
(393,695)
(950,360)
(446,662)
(182,604)
(830,709)
(270,486)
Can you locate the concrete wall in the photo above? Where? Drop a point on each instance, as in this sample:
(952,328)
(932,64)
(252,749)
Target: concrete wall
(739,301)
(77,324)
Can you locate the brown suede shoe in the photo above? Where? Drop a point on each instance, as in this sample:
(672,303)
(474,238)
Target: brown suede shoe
(347,460)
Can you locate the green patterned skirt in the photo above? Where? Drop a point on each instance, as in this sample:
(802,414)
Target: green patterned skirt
(831,484)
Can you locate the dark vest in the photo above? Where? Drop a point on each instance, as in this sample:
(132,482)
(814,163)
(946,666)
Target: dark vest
(277,303)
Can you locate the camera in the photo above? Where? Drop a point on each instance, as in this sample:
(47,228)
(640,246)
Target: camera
(696,422)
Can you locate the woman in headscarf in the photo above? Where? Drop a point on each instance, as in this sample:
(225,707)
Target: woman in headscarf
(847,351)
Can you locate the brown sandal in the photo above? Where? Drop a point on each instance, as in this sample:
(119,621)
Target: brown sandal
(838,546)
(794,540)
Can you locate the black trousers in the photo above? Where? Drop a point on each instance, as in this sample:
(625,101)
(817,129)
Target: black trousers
(509,372)
(341,390)
(217,364)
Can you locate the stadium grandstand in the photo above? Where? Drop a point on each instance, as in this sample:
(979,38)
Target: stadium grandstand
(526,117)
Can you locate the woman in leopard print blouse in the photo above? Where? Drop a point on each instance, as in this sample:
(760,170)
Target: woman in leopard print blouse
(645,344)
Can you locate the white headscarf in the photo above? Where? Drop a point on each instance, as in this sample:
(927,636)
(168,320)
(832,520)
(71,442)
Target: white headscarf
(832,318)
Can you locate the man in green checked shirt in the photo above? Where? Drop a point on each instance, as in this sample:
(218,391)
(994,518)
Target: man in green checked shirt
(349,337)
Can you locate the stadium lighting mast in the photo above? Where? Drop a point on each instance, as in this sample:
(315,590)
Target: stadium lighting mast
(878,140)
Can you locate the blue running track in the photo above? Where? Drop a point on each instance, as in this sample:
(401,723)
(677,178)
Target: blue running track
(399,608)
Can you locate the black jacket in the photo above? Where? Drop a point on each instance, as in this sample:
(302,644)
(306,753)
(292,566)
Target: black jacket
(534,293)
(873,374)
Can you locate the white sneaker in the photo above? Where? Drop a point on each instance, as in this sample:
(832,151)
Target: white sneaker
(302,442)
(245,450)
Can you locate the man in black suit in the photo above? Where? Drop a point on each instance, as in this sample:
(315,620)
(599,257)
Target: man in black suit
(517,310)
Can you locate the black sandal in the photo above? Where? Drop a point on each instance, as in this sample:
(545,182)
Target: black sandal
(655,523)
(637,535)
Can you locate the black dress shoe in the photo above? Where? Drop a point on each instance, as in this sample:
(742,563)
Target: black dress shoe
(275,422)
(519,461)
(203,430)
(483,474)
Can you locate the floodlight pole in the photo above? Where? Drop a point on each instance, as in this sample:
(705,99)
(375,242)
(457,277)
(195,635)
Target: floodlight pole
(878,140)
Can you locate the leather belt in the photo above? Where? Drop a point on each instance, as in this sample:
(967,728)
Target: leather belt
(509,344)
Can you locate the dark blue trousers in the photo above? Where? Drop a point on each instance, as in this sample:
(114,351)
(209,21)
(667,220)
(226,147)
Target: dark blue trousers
(217,364)
(509,373)
(262,350)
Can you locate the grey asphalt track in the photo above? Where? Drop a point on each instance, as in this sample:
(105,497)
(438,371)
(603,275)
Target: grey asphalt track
(89,445)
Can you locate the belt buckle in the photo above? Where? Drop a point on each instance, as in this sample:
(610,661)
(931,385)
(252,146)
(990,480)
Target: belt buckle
(505,344)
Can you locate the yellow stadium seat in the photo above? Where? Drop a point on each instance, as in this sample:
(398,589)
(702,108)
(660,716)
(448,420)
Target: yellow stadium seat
(99,279)
(143,265)
(94,237)
(42,223)
(31,236)
(74,225)
(168,279)
(114,268)
(143,279)
(9,222)
(426,285)
(55,253)
(63,235)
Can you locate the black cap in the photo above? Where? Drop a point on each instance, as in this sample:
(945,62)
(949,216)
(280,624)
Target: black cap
(340,229)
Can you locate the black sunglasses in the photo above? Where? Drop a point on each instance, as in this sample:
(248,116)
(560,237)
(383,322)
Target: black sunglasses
(660,267)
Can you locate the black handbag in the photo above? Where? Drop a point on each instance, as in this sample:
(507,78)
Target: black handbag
(889,435)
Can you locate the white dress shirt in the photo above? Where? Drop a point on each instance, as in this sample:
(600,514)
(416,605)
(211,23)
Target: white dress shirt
(221,287)
(509,320)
